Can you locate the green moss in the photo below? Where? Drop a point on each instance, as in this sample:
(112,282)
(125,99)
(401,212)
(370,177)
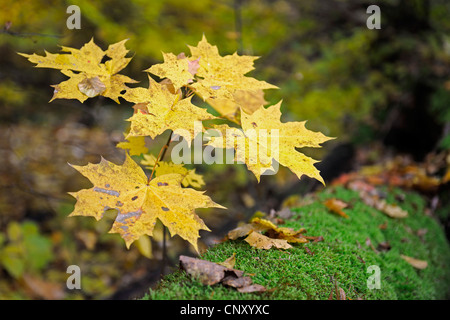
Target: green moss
(343,256)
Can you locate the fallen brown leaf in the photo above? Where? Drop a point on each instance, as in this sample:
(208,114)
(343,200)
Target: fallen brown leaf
(392,211)
(342,295)
(43,289)
(369,244)
(416,263)
(237,282)
(308,251)
(336,206)
(252,288)
(207,272)
(383,226)
(314,239)
(210,273)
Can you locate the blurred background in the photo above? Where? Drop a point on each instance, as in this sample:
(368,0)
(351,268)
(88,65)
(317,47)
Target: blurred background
(383,93)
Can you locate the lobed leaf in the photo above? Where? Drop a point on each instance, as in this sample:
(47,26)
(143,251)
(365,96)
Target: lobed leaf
(140,203)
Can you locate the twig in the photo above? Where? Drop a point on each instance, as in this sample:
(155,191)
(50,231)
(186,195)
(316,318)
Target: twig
(238,24)
(161,155)
(31,34)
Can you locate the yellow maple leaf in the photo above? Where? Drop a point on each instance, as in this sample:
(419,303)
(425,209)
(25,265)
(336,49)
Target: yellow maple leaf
(174,68)
(247,100)
(220,77)
(163,110)
(279,232)
(88,76)
(260,241)
(140,203)
(190,178)
(134,145)
(265,138)
(274,236)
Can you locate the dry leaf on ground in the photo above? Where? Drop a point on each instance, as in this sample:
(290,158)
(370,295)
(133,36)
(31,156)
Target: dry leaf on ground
(416,263)
(252,288)
(44,289)
(336,206)
(229,262)
(210,273)
(273,236)
(257,240)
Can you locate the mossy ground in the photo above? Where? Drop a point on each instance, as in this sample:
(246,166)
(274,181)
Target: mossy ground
(343,256)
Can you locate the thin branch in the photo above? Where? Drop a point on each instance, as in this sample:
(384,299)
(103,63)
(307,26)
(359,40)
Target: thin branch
(238,24)
(161,155)
(30,34)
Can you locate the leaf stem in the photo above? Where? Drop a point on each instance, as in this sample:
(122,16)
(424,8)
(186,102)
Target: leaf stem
(164,251)
(161,155)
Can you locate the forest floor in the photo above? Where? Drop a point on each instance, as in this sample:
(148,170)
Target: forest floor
(371,223)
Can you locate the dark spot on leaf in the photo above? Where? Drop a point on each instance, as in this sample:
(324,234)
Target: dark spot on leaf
(162,184)
(123,91)
(254,125)
(165,209)
(137,187)
(109,192)
(119,204)
(134,198)
(107,185)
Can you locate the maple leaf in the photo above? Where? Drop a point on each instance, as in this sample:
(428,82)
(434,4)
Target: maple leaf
(260,241)
(163,110)
(336,206)
(210,273)
(134,145)
(247,100)
(178,70)
(190,178)
(140,203)
(220,77)
(267,138)
(88,76)
(274,236)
